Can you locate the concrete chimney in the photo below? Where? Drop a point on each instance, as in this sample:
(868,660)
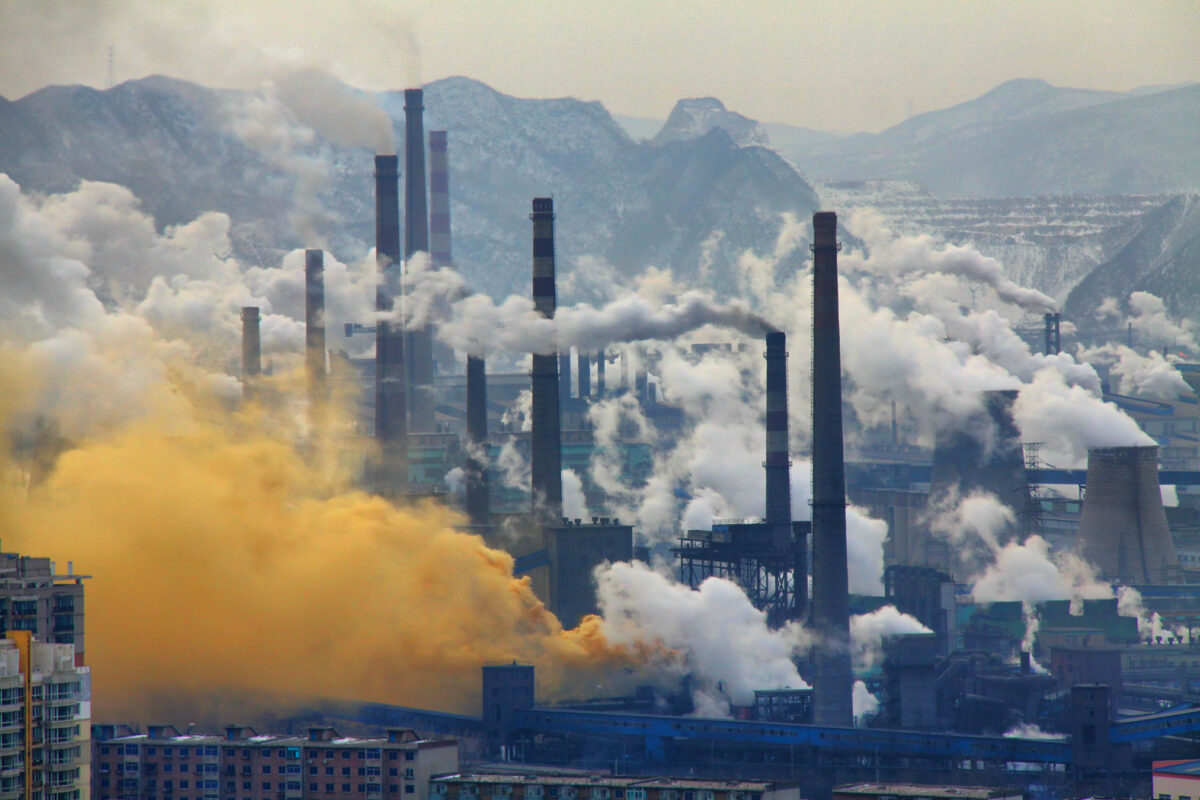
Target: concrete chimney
(583,370)
(251,353)
(314,325)
(564,380)
(391,419)
(477,443)
(439,201)
(600,362)
(546,467)
(440,254)
(1122,525)
(419,340)
(778,465)
(832,683)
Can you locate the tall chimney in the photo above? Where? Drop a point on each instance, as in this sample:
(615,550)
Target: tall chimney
(440,254)
(251,353)
(583,370)
(546,468)
(314,325)
(391,431)
(477,442)
(439,201)
(778,465)
(832,684)
(564,380)
(419,340)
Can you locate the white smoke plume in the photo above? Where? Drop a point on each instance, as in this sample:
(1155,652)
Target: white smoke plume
(868,633)
(724,642)
(1151,323)
(1151,628)
(574,501)
(865,705)
(1027,730)
(1149,375)
(1027,572)
(918,255)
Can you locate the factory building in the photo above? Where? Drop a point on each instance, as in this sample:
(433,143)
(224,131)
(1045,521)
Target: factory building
(167,764)
(44,749)
(909,791)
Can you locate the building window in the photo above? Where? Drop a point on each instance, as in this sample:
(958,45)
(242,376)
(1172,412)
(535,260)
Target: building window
(409,788)
(409,755)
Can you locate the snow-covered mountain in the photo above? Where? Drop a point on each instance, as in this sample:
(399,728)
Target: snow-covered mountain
(1027,138)
(1047,243)
(184,150)
(697,116)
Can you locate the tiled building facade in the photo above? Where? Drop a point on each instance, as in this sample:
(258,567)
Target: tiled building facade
(164,764)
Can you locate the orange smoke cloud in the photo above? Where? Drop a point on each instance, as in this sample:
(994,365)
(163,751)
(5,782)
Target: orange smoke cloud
(223,561)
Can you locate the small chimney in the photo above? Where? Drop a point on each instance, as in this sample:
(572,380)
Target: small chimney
(600,362)
(251,353)
(477,443)
(439,200)
(583,373)
(391,431)
(1026,663)
(546,466)
(416,240)
(314,325)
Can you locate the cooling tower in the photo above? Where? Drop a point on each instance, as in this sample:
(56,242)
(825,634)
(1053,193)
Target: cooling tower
(1122,527)
(314,325)
(251,352)
(390,415)
(832,684)
(416,240)
(546,466)
(477,442)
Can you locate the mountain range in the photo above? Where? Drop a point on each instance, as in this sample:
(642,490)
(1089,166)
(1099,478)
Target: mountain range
(1083,194)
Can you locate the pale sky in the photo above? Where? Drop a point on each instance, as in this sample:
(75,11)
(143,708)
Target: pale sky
(852,65)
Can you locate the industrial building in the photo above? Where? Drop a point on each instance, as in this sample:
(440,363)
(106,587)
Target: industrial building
(44,724)
(473,785)
(953,703)
(166,763)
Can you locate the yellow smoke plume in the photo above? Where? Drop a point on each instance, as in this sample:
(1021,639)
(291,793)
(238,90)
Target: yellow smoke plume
(225,562)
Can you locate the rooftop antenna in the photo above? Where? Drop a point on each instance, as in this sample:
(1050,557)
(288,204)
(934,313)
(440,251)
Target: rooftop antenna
(111,71)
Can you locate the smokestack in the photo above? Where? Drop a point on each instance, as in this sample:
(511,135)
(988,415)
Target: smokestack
(641,384)
(583,369)
(439,230)
(251,353)
(477,442)
(1122,525)
(416,240)
(439,200)
(390,415)
(564,379)
(778,465)
(832,684)
(600,362)
(314,325)
(547,452)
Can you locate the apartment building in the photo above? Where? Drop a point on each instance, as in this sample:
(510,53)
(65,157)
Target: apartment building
(44,726)
(165,764)
(35,598)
